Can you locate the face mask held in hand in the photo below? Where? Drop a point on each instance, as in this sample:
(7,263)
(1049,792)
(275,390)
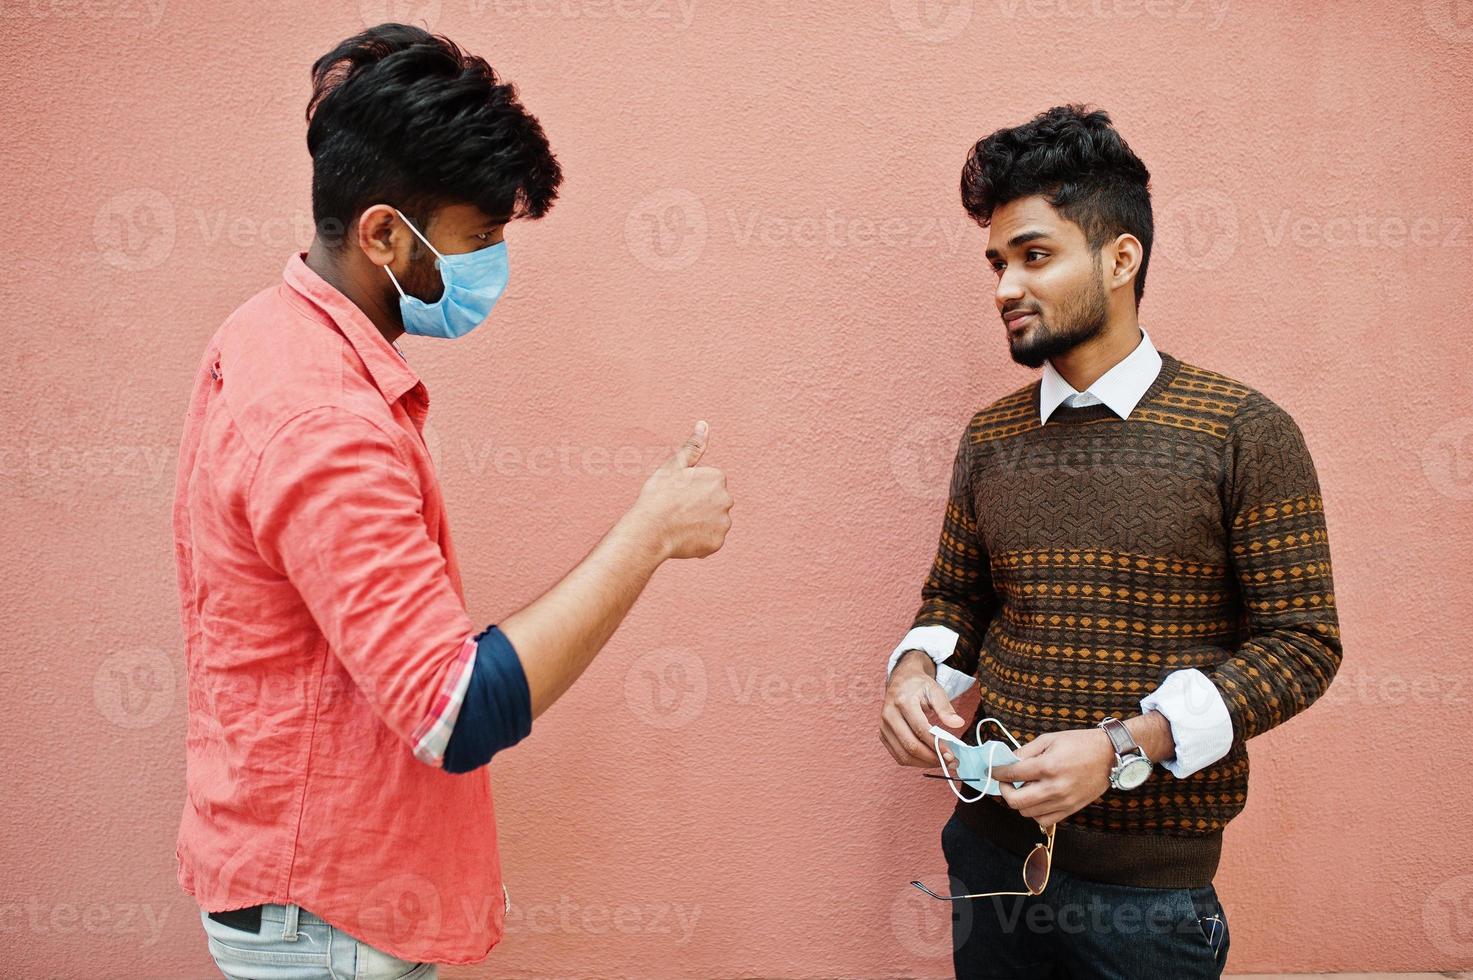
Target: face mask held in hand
(473,281)
(974,762)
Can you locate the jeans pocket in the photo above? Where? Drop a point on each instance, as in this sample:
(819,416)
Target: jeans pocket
(248,954)
(233,959)
(1211,920)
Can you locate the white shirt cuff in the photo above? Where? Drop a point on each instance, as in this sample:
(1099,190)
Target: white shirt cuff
(939,642)
(1200,724)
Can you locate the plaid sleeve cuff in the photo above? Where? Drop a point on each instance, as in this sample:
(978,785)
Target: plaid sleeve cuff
(433,733)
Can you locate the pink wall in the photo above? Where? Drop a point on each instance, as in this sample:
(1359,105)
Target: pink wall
(760,227)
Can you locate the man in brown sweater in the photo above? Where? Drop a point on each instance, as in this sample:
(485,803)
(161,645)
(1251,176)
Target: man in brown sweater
(1133,568)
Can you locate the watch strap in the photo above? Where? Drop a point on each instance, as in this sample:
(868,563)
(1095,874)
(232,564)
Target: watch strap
(1120,737)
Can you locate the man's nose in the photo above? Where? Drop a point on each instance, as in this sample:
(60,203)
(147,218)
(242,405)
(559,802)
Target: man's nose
(1009,289)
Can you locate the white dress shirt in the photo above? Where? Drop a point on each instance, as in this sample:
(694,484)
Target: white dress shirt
(1200,724)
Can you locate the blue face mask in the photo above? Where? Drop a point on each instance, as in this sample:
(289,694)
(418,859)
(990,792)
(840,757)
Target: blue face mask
(474,281)
(974,762)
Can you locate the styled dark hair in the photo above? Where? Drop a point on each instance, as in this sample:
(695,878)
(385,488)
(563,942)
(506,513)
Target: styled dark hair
(401,116)
(1074,158)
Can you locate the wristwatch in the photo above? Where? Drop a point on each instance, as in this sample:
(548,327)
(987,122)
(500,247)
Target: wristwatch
(1131,765)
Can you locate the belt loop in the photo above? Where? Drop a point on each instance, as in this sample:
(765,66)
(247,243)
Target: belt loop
(289,927)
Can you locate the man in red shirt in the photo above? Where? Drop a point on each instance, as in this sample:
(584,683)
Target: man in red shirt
(339,694)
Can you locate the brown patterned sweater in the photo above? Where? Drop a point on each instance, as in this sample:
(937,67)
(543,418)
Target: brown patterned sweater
(1083,560)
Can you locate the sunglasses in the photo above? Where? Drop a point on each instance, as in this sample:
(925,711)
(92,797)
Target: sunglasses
(1036,868)
(1215,932)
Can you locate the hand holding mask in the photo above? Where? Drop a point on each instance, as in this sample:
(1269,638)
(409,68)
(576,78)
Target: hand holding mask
(974,763)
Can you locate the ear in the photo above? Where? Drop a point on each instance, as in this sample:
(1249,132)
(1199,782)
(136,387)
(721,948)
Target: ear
(1122,260)
(380,233)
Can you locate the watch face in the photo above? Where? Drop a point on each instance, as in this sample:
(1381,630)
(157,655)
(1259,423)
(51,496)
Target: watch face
(1133,773)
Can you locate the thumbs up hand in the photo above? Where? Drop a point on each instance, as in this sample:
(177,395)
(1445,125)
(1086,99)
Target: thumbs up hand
(686,506)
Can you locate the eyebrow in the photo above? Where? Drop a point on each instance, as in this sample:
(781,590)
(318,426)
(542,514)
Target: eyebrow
(1022,238)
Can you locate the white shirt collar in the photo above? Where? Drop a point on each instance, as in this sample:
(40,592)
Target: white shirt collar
(1120,388)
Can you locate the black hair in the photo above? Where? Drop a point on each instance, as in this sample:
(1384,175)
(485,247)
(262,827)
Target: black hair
(1074,158)
(401,116)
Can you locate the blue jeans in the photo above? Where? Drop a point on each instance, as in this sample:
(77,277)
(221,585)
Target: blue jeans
(294,944)
(1077,928)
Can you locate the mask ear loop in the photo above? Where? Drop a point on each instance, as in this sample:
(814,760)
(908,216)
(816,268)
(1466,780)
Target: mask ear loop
(991,760)
(418,235)
(410,225)
(936,734)
(1000,727)
(993,754)
(402,294)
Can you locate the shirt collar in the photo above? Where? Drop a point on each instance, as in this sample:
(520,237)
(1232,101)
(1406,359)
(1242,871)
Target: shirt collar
(1120,388)
(386,365)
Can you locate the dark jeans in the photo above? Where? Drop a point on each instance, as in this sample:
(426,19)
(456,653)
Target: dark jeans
(1076,928)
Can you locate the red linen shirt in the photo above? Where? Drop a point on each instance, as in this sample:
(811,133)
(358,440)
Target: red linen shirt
(326,638)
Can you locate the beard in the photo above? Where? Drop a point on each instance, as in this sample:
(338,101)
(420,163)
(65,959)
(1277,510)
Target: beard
(423,278)
(1081,318)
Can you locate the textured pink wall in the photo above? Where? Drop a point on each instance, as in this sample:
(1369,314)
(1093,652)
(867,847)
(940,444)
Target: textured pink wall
(761,228)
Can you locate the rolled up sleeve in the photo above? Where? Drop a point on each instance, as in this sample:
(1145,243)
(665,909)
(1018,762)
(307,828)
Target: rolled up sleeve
(1201,728)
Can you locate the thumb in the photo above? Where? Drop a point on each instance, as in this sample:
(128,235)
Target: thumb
(942,705)
(690,453)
